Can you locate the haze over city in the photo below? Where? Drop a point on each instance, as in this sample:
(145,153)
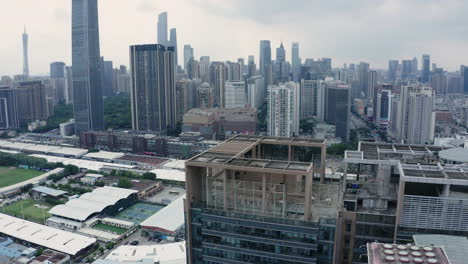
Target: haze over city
(364,30)
(234,132)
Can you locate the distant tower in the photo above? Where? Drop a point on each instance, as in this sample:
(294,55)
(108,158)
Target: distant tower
(162,29)
(173,43)
(25,53)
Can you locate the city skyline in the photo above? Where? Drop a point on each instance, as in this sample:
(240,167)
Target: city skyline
(344,43)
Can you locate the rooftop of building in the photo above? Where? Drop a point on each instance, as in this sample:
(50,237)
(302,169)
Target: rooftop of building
(231,152)
(448,174)
(49,191)
(169,219)
(173,253)
(49,257)
(142,159)
(455,247)
(44,236)
(459,155)
(379,253)
(104,155)
(388,151)
(91,203)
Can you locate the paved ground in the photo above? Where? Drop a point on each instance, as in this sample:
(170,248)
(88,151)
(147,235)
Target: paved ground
(167,195)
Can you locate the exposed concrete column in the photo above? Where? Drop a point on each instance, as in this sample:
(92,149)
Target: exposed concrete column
(284,199)
(308,197)
(225,176)
(264,193)
(446,190)
(345,177)
(323,158)
(289,152)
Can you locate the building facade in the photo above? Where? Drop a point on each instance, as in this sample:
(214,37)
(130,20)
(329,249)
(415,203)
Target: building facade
(283,110)
(8,108)
(153,88)
(86,61)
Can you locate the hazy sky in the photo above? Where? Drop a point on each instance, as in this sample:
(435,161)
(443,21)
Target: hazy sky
(345,30)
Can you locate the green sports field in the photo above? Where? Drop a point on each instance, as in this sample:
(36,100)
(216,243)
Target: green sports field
(32,210)
(115,229)
(11,175)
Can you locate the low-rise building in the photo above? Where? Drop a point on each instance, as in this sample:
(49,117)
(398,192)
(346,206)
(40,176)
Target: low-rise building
(91,178)
(67,128)
(217,123)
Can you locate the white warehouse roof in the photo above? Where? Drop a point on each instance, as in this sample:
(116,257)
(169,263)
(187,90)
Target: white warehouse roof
(45,236)
(90,203)
(170,219)
(104,155)
(173,253)
(173,175)
(174,164)
(83,164)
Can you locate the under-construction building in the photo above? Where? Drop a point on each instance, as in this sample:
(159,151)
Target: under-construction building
(261,200)
(393,191)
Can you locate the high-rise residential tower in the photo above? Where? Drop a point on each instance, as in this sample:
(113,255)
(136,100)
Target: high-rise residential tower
(312,99)
(252,67)
(426,68)
(283,110)
(8,108)
(162,29)
(464,79)
(25,53)
(57,70)
(86,61)
(153,88)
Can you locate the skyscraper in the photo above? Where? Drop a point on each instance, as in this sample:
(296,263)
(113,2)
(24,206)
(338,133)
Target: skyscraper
(392,70)
(86,61)
(25,54)
(57,70)
(415,66)
(265,61)
(426,68)
(107,77)
(234,71)
(406,69)
(372,83)
(282,67)
(8,108)
(32,102)
(188,55)
(218,79)
(162,29)
(296,62)
(383,108)
(153,89)
(363,78)
(283,110)
(439,83)
(173,43)
(252,67)
(312,99)
(205,69)
(57,78)
(464,78)
(338,107)
(256,93)
(415,123)
(68,85)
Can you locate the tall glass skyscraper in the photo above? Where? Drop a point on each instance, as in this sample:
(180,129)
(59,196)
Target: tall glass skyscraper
(426,68)
(162,29)
(86,59)
(265,61)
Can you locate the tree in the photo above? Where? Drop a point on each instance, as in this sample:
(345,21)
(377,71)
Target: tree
(149,176)
(109,245)
(26,188)
(99,184)
(124,183)
(70,170)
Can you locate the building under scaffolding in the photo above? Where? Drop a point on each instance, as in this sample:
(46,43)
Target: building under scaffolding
(393,191)
(261,200)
